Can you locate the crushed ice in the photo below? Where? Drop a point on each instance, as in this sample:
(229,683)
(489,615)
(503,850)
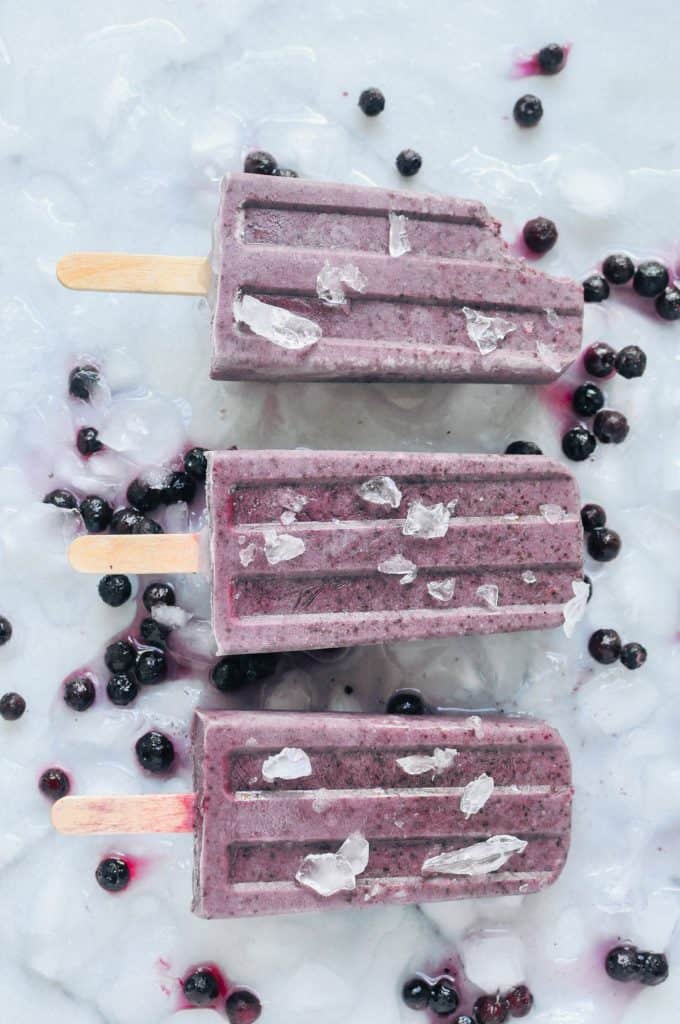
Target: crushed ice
(528,576)
(292,501)
(477,726)
(436,762)
(575,608)
(282,328)
(397,565)
(170,616)
(288,518)
(281,547)
(328,873)
(247,554)
(426,522)
(553,318)
(552,514)
(442,590)
(381,490)
(399,243)
(488,593)
(486,331)
(476,794)
(330,280)
(548,356)
(478,859)
(289,763)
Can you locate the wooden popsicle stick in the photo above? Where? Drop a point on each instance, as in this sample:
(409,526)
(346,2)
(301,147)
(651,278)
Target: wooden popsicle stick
(134,815)
(125,272)
(142,553)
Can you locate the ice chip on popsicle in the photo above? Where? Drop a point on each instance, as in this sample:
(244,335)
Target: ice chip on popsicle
(289,763)
(276,325)
(476,794)
(478,859)
(398,240)
(381,490)
(425,522)
(419,764)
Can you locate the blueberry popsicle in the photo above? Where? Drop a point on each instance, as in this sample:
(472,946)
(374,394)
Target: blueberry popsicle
(299,812)
(324,549)
(319,281)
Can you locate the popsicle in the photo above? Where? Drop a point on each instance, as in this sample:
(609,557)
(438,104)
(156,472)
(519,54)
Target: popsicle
(319,281)
(324,549)
(299,812)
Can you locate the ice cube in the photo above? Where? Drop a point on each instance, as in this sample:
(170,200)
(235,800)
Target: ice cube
(281,547)
(399,243)
(289,763)
(486,331)
(355,849)
(426,522)
(171,616)
(381,490)
(442,590)
(288,518)
(282,328)
(328,873)
(247,554)
(575,608)
(488,593)
(528,576)
(478,859)
(419,764)
(397,565)
(493,959)
(552,513)
(476,794)
(330,280)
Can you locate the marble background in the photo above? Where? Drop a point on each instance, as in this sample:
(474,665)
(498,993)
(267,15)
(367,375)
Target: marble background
(116,122)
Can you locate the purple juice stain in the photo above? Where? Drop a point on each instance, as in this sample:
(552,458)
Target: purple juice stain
(525,67)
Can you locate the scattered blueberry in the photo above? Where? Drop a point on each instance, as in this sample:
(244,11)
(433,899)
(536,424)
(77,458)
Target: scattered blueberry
(491,1010)
(408,162)
(520,1001)
(96,513)
(87,441)
(605,646)
(630,362)
(587,399)
(113,874)
(260,162)
(463,1019)
(120,656)
(152,632)
(416,993)
(114,589)
(405,702)
(444,998)
(595,288)
(618,268)
(129,520)
(201,987)
(653,968)
(54,783)
(578,444)
(82,380)
(226,674)
(621,963)
(155,751)
(599,359)
(242,1007)
(523,448)
(587,579)
(610,427)
(121,690)
(151,667)
(285,172)
(5,630)
(79,693)
(255,667)
(540,234)
(551,58)
(180,487)
(603,544)
(668,304)
(527,111)
(12,706)
(196,464)
(372,102)
(633,655)
(650,279)
(144,496)
(158,593)
(592,517)
(61,499)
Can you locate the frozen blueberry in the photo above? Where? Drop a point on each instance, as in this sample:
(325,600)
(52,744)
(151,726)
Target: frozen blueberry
(242,1007)
(5,630)
(372,102)
(226,675)
(408,162)
(650,279)
(121,689)
(578,444)
(180,487)
(54,783)
(260,162)
(152,632)
(82,380)
(201,987)
(633,655)
(120,656)
(520,1001)
(255,667)
(527,111)
(131,521)
(587,399)
(151,667)
(599,359)
(416,993)
(618,268)
(605,646)
(79,693)
(61,498)
(595,288)
(540,234)
(405,702)
(158,593)
(144,496)
(603,544)
(12,706)
(87,441)
(463,1019)
(592,517)
(523,448)
(610,427)
(630,362)
(621,963)
(668,304)
(114,590)
(96,513)
(155,751)
(444,998)
(285,172)
(113,874)
(196,464)
(653,968)
(146,525)
(551,58)
(491,1010)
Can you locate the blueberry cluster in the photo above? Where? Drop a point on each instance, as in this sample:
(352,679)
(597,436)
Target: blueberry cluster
(628,963)
(602,543)
(235,671)
(204,986)
(650,279)
(442,999)
(440,996)
(605,646)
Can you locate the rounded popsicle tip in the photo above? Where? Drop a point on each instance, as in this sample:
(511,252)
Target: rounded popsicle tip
(67,268)
(60,816)
(79,554)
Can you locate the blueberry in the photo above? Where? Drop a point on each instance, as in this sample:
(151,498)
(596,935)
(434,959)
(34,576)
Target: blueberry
(144,496)
(113,874)
(633,655)
(120,656)
(151,667)
(54,783)
(444,998)
(587,579)
(5,630)
(650,279)
(121,690)
(491,1010)
(540,234)
(155,751)
(12,706)
(82,380)
(79,693)
(130,521)
(551,58)
(405,702)
(372,102)
(463,1019)
(604,544)
(255,667)
(618,268)
(653,968)
(196,464)
(242,1007)
(152,632)
(285,172)
(587,399)
(260,162)
(201,987)
(599,359)
(520,1001)
(523,448)
(180,487)
(87,441)
(592,517)
(158,593)
(621,963)
(408,162)
(146,525)
(630,362)
(226,675)
(416,993)
(610,427)
(595,288)
(528,111)
(114,590)
(578,444)
(605,646)
(61,499)
(96,513)
(668,304)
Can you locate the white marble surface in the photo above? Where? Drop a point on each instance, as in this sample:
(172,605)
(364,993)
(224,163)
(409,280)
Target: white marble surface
(116,121)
